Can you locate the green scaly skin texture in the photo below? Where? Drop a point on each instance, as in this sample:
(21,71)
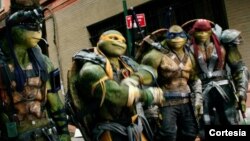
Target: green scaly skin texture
(233,55)
(22,40)
(235,61)
(115,95)
(153,58)
(55,104)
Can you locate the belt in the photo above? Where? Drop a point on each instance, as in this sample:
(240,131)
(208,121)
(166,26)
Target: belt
(27,125)
(222,82)
(176,95)
(176,98)
(39,133)
(219,82)
(173,102)
(213,74)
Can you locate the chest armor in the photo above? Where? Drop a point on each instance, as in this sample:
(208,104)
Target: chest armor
(208,61)
(174,72)
(28,103)
(119,75)
(127,67)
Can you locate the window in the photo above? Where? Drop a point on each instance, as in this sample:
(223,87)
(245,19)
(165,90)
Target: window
(156,14)
(161,14)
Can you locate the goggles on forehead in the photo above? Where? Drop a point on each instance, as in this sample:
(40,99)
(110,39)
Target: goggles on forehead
(30,26)
(29,19)
(172,35)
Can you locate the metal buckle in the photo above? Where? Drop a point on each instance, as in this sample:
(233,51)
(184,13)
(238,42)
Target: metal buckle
(209,74)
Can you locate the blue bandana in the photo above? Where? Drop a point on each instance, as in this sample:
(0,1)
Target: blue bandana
(171,35)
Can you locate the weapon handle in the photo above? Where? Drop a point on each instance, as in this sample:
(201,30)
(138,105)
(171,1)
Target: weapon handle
(134,17)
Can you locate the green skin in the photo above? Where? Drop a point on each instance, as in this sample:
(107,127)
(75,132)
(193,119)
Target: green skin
(233,54)
(155,58)
(116,95)
(233,58)
(22,40)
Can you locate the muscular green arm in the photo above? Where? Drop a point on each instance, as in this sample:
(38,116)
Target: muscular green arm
(144,74)
(109,90)
(153,59)
(56,108)
(150,63)
(91,74)
(194,73)
(239,71)
(196,86)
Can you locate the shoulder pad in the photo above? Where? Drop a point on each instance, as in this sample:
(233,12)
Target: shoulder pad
(87,55)
(133,64)
(152,41)
(217,30)
(229,35)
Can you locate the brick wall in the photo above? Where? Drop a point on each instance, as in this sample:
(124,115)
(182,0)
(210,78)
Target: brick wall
(71,31)
(72,35)
(239,18)
(238,14)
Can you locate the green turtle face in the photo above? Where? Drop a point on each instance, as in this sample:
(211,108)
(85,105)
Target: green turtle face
(176,37)
(177,42)
(112,43)
(29,38)
(202,36)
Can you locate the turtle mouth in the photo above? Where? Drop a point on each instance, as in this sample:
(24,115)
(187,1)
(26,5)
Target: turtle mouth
(178,40)
(119,45)
(36,38)
(204,38)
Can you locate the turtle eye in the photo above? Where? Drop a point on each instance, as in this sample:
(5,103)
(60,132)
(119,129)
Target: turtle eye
(170,35)
(113,37)
(183,35)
